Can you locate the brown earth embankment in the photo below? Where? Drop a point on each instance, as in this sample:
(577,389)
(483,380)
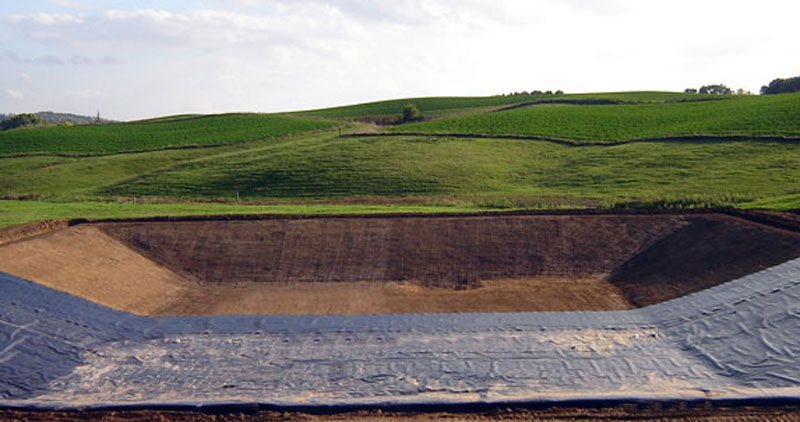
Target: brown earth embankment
(401,264)
(442,251)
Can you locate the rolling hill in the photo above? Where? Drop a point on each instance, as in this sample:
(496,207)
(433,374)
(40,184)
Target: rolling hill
(162,133)
(750,115)
(433,107)
(464,156)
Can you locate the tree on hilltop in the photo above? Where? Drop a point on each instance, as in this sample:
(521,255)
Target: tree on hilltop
(780,86)
(716,89)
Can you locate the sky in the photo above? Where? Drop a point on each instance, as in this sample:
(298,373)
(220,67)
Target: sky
(137,59)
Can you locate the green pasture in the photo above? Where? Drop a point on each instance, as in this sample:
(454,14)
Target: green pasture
(257,163)
(168,132)
(747,115)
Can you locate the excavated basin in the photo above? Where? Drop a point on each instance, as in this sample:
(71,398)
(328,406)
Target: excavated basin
(385,265)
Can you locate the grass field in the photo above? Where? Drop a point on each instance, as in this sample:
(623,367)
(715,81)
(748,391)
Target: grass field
(689,173)
(21,212)
(753,115)
(439,106)
(72,178)
(178,131)
(301,163)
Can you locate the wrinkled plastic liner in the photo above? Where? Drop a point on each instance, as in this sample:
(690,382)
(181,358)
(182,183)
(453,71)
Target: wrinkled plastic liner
(737,341)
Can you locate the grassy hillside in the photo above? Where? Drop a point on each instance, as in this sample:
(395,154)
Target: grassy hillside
(428,106)
(179,131)
(85,171)
(72,178)
(487,171)
(752,115)
(438,106)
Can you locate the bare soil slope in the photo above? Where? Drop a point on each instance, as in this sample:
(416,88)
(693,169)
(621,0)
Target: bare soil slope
(448,251)
(84,262)
(362,265)
(704,253)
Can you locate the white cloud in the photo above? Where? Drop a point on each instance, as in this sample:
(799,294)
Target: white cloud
(53,60)
(25,77)
(72,4)
(15,94)
(282,54)
(44,19)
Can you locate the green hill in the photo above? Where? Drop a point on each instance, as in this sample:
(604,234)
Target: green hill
(443,106)
(192,163)
(750,115)
(519,171)
(179,131)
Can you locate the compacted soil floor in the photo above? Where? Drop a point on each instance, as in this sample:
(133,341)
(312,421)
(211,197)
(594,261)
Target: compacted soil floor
(348,298)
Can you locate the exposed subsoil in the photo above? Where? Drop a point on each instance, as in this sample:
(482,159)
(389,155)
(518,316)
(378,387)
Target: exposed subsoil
(441,251)
(359,265)
(348,298)
(84,262)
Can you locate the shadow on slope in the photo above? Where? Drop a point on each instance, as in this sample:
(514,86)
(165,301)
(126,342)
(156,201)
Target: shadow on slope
(702,254)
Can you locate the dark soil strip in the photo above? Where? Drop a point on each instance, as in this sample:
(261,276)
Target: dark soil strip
(25,231)
(679,411)
(784,220)
(776,219)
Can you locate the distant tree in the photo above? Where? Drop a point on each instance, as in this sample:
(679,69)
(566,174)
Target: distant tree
(742,91)
(716,89)
(534,92)
(690,91)
(780,86)
(410,112)
(21,120)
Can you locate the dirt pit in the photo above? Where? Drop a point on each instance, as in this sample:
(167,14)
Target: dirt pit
(387,265)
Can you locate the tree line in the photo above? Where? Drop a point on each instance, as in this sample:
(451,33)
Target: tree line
(22,120)
(777,86)
(716,89)
(780,86)
(534,92)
